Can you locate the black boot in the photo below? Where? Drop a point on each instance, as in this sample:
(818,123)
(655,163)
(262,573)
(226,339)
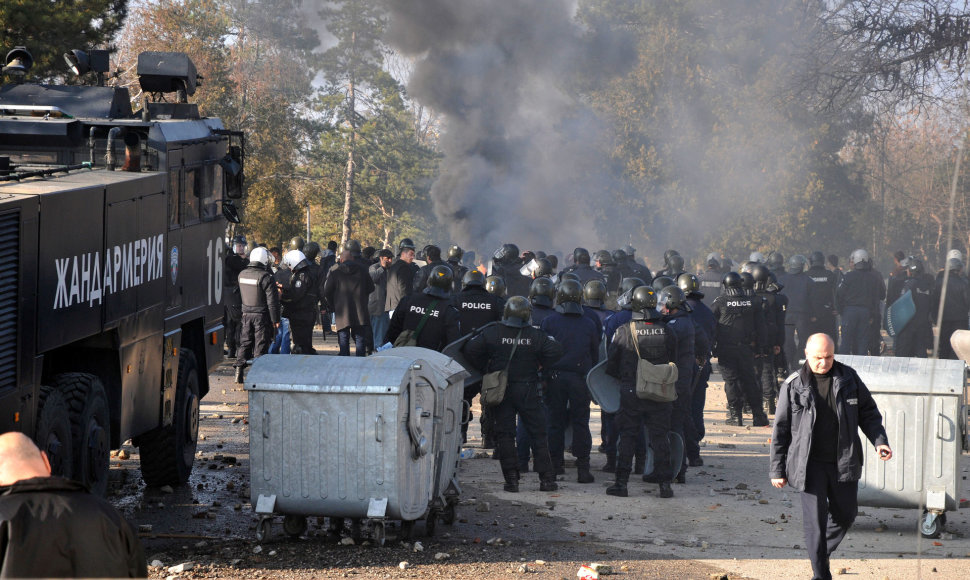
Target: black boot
(511,481)
(734,418)
(770,405)
(610,466)
(582,471)
(758,417)
(488,442)
(639,464)
(559,468)
(665,489)
(619,485)
(547,482)
(682,476)
(240,372)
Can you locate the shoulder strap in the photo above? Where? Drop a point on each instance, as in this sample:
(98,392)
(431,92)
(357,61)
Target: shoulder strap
(515,345)
(427,313)
(633,335)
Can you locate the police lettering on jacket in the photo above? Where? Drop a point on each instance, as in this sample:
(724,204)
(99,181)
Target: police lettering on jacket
(420,310)
(476,305)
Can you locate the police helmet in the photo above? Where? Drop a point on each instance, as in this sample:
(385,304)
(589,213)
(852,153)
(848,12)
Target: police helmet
(756,257)
(858,257)
(594,293)
(747,282)
(293,259)
(712,261)
(915,266)
(796,264)
(761,276)
(581,256)
(644,303)
(260,256)
(528,256)
(676,263)
(554,260)
(542,292)
(746,266)
(668,254)
(496,285)
(352,246)
(672,298)
(311,250)
(569,297)
(690,285)
(508,253)
(732,281)
(628,284)
(569,276)
(543,268)
(405,244)
(440,281)
(661,282)
(816,258)
(629,250)
(473,277)
(619,256)
(954,254)
(540,254)
(517,313)
(297,243)
(776,261)
(455,253)
(605,258)
(954,264)
(239,244)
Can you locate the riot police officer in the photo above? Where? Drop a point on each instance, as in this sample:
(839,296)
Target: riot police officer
(645,336)
(739,335)
(235,262)
(432,255)
(567,397)
(705,323)
(520,349)
(506,263)
(775,306)
(260,309)
(956,305)
(430,315)
(608,268)
(710,280)
(633,268)
(917,336)
(454,262)
(821,297)
(796,284)
(581,267)
(858,299)
(495,285)
(594,298)
(542,295)
(300,301)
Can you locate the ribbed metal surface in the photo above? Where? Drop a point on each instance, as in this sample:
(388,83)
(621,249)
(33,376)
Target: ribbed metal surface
(920,401)
(9,286)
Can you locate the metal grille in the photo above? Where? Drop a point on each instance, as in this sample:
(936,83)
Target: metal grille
(9,286)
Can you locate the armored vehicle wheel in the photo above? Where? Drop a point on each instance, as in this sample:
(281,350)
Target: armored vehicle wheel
(430,523)
(53,433)
(448,515)
(294,526)
(167,453)
(90,428)
(931,525)
(380,533)
(264,528)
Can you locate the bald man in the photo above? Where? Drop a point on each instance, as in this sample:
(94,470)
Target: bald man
(53,527)
(816,448)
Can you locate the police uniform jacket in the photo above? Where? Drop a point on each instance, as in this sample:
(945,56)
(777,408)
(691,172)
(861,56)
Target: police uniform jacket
(740,321)
(710,282)
(490,350)
(619,318)
(921,288)
(423,273)
(703,322)
(585,273)
(956,306)
(796,289)
(400,280)
(540,313)
(477,307)
(257,289)
(685,331)
(791,441)
(347,290)
(459,272)
(234,264)
(53,527)
(656,342)
(860,288)
(777,307)
(613,276)
(638,270)
(515,283)
(300,293)
(441,328)
(894,289)
(821,293)
(579,339)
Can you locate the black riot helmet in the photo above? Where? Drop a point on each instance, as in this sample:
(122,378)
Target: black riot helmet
(775,261)
(311,250)
(676,263)
(619,256)
(507,254)
(455,253)
(405,244)
(796,264)
(518,312)
(542,292)
(352,246)
(761,276)
(239,245)
(440,281)
(747,282)
(594,293)
(732,284)
(672,298)
(581,256)
(668,254)
(569,276)
(629,250)
(553,260)
(914,265)
(496,285)
(816,258)
(297,243)
(569,297)
(473,278)
(543,268)
(644,304)
(605,258)
(690,285)
(661,282)
(540,254)
(712,261)
(628,284)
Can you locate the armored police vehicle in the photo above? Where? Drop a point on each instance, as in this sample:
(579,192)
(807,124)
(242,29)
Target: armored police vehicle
(111,230)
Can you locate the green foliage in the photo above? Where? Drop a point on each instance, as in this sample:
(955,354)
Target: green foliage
(49,28)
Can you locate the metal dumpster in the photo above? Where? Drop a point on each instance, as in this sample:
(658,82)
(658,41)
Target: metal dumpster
(922,402)
(350,437)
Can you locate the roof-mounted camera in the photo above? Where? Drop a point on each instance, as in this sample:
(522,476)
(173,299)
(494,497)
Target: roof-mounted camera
(81,63)
(168,72)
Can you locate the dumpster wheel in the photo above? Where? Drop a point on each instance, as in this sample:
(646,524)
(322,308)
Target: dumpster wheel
(931,524)
(294,526)
(407,529)
(264,528)
(380,533)
(430,522)
(448,515)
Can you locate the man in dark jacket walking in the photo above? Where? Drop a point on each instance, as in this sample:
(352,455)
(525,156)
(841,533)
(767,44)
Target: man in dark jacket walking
(347,289)
(400,275)
(53,527)
(816,448)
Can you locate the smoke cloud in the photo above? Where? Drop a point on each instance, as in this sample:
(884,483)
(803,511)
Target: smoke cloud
(518,166)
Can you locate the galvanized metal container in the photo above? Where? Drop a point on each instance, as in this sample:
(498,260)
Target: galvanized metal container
(922,402)
(352,437)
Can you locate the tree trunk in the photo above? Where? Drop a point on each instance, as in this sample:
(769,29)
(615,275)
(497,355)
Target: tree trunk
(351,150)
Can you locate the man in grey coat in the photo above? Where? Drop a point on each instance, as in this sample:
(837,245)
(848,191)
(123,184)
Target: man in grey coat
(816,448)
(379,318)
(347,289)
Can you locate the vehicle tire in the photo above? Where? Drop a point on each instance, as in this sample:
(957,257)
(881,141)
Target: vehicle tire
(167,453)
(53,432)
(90,428)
